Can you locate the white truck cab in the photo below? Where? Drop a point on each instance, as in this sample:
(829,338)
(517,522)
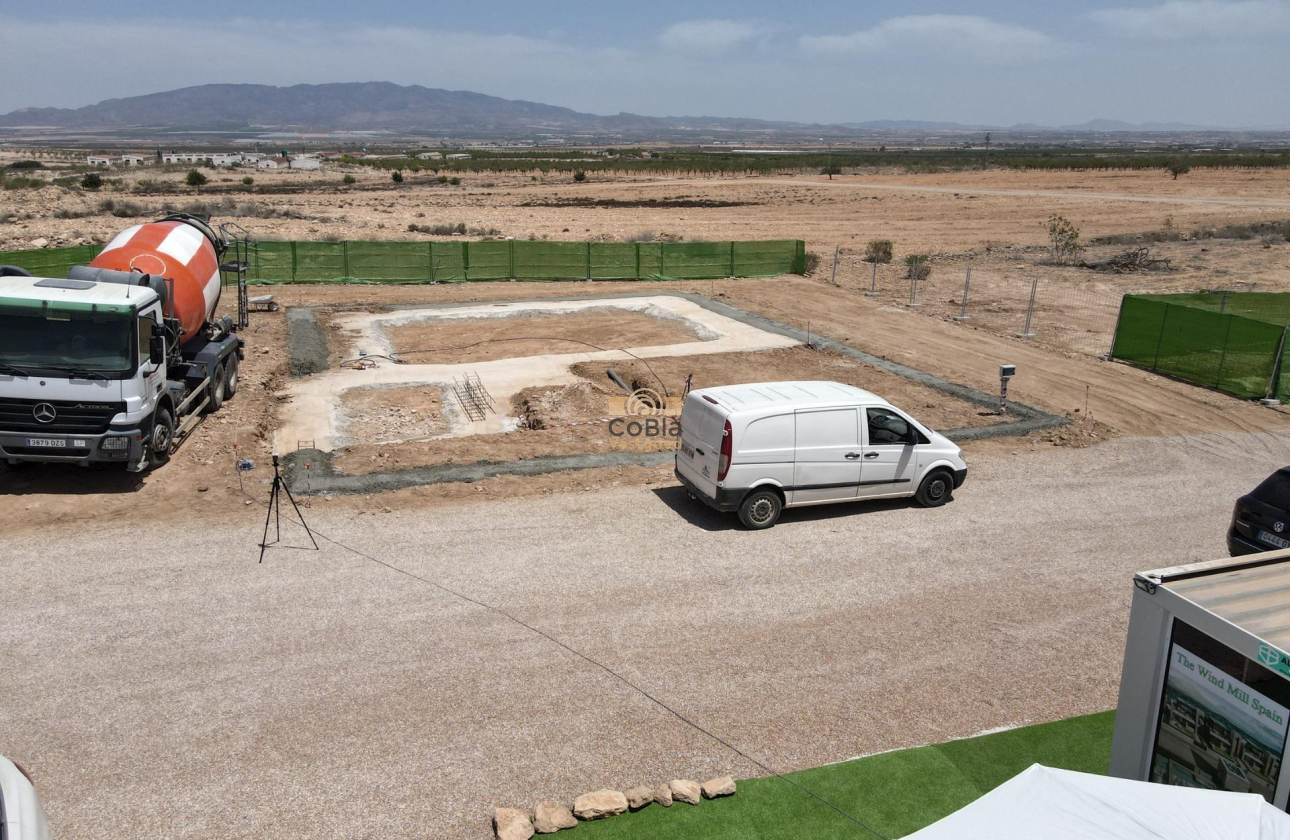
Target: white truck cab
(89,373)
(760,448)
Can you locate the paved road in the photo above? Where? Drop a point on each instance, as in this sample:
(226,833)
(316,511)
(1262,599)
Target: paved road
(1226,201)
(162,684)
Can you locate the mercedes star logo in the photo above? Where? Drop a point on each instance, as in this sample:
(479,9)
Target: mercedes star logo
(44,413)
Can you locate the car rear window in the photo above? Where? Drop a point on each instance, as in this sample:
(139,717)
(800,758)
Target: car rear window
(1275,490)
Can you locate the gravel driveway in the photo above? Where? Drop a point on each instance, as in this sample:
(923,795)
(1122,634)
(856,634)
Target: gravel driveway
(160,683)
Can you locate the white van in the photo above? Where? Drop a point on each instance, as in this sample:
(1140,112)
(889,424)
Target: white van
(761,448)
(21,815)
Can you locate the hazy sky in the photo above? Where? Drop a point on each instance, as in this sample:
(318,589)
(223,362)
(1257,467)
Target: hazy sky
(993,61)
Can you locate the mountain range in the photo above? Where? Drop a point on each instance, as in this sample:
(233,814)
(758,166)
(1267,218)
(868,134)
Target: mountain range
(384,106)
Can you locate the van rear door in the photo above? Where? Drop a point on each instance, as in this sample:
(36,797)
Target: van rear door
(703,423)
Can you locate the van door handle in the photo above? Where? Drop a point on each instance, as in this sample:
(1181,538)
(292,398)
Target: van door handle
(699,452)
(871,454)
(851,456)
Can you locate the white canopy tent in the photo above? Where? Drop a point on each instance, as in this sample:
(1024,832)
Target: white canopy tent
(1064,805)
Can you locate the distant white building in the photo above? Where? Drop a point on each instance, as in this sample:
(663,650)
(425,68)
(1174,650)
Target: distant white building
(100,160)
(227,159)
(305,163)
(137,160)
(273,163)
(459,156)
(430,156)
(184,157)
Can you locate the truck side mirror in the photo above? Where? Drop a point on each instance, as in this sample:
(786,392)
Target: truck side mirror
(156,349)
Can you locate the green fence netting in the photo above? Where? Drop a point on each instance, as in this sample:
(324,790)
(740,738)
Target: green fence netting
(1200,338)
(421,262)
(50,262)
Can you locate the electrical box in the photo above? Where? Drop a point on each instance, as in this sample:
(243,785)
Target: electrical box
(1007,371)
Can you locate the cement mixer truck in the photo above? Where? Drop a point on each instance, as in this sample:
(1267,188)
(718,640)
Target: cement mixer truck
(113,363)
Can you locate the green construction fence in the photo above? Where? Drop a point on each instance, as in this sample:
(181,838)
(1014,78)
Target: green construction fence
(1234,342)
(494,259)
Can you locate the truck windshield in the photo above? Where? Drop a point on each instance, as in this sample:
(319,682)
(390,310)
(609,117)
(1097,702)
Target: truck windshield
(34,342)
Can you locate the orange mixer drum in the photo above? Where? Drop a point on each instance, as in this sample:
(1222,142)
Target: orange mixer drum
(178,252)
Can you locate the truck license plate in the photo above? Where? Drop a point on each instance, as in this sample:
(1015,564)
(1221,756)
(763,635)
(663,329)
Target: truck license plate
(51,443)
(1272,539)
(687,449)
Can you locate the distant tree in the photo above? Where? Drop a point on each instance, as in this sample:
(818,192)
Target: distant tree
(397,177)
(831,171)
(348,179)
(26,164)
(878,250)
(195,178)
(92,181)
(1176,168)
(919,265)
(580,176)
(455,181)
(247,181)
(1064,238)
(443,179)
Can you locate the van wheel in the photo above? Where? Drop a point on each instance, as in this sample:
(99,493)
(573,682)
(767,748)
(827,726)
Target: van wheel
(760,509)
(936,489)
(160,439)
(219,381)
(230,380)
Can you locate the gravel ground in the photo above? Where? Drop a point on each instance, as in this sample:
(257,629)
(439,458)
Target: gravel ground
(161,689)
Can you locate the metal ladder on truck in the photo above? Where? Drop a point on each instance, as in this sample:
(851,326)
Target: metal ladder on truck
(234,268)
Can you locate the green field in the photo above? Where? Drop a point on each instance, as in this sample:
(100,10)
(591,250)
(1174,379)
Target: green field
(894,793)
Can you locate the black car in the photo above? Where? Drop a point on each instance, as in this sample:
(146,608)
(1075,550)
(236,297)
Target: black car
(1261,520)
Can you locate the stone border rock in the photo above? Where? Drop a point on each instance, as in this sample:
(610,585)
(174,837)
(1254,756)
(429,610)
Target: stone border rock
(551,816)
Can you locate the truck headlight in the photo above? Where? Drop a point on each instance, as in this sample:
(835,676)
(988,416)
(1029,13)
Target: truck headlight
(113,444)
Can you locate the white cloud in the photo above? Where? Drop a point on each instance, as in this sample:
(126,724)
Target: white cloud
(1184,19)
(713,35)
(933,35)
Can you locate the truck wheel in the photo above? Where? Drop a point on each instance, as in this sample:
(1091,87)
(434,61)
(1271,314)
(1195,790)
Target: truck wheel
(219,381)
(230,380)
(160,439)
(760,509)
(936,489)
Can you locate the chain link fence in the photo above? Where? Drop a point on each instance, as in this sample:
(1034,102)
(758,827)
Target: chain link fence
(1078,316)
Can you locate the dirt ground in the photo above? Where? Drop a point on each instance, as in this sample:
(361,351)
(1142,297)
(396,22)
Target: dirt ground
(994,222)
(947,212)
(484,339)
(552,409)
(380,415)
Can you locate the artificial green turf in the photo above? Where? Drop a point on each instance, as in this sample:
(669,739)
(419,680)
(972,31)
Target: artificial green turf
(895,793)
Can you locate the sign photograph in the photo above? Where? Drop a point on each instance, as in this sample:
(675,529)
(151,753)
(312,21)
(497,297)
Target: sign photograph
(1216,731)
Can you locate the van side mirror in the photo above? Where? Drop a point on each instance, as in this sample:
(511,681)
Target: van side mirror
(156,349)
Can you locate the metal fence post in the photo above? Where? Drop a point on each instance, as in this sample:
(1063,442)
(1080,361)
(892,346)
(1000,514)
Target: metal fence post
(1030,310)
(511,260)
(873,286)
(1110,353)
(967,283)
(732,259)
(293,261)
(1222,307)
(834,278)
(1222,358)
(1274,379)
(1161,339)
(588,259)
(913,284)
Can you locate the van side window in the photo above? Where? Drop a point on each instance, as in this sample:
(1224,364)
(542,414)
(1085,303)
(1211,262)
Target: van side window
(887,427)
